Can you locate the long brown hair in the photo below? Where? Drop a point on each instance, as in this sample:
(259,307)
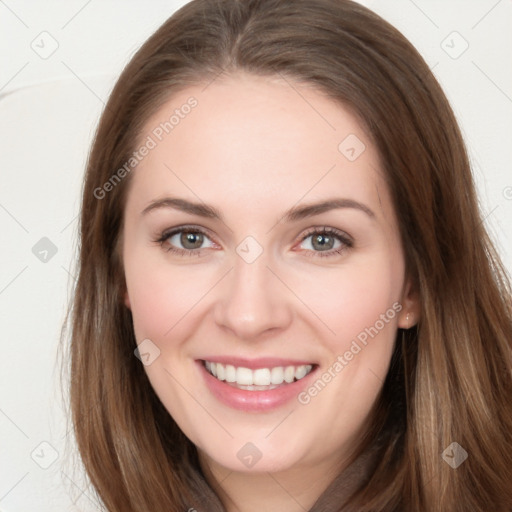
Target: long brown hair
(450,379)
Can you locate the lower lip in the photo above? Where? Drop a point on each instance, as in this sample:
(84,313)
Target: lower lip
(254,401)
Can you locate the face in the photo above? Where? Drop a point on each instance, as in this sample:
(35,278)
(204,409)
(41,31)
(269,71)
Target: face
(260,244)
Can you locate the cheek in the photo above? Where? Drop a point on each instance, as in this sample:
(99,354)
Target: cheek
(354,299)
(360,305)
(162,295)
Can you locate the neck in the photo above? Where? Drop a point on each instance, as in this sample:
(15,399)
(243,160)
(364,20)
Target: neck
(294,490)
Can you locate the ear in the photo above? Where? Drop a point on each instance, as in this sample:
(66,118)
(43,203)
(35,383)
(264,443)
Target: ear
(127,300)
(411,306)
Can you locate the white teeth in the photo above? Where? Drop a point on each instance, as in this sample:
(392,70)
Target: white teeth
(300,372)
(289,373)
(230,373)
(261,377)
(244,376)
(253,379)
(277,375)
(221,372)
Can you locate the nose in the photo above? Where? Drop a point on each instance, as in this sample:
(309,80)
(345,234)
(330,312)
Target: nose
(252,301)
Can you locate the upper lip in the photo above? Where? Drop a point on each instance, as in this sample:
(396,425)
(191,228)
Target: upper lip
(253,364)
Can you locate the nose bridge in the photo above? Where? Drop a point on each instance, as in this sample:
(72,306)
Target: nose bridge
(253,300)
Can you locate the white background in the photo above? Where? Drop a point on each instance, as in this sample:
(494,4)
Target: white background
(49,108)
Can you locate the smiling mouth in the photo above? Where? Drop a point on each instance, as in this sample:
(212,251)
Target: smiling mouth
(260,379)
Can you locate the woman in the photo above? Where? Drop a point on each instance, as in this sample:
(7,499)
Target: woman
(286,297)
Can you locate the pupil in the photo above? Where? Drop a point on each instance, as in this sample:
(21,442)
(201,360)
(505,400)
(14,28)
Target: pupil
(324,242)
(191,240)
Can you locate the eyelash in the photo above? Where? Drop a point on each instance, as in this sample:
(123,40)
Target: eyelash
(176,250)
(346,241)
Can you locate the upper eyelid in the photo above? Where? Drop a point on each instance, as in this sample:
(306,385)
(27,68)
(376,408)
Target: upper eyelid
(342,235)
(166,233)
(325,229)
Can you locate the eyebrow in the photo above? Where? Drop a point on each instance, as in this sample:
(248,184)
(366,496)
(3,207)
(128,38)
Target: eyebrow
(294,214)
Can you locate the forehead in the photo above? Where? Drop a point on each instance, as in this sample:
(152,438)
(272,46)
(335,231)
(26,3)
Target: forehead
(258,140)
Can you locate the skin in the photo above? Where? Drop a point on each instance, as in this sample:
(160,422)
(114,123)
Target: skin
(253,148)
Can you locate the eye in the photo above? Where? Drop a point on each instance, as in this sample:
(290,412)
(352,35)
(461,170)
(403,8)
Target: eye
(325,242)
(185,240)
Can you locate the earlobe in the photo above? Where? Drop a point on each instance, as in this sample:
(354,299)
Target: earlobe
(127,300)
(406,321)
(410,314)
